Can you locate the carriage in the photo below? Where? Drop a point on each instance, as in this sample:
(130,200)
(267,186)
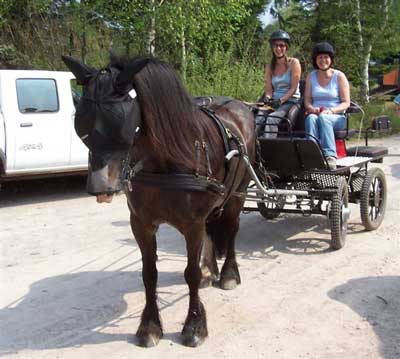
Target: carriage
(294,176)
(190,166)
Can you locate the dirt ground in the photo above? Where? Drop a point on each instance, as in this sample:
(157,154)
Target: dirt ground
(71,285)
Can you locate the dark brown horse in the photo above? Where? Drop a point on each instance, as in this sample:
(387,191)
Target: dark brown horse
(178,173)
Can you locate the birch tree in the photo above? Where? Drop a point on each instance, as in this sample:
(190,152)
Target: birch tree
(371,19)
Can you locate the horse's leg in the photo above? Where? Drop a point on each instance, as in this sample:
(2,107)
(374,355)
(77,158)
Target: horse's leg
(195,329)
(150,329)
(209,266)
(224,232)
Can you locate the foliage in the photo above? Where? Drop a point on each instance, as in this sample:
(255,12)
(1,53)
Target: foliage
(358,29)
(219,46)
(374,109)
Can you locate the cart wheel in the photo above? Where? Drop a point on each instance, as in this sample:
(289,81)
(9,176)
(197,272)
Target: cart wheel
(373,199)
(339,214)
(265,208)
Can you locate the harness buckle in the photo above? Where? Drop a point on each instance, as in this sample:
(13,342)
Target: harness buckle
(129,172)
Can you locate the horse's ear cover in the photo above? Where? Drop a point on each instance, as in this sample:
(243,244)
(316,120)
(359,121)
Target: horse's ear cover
(81,71)
(124,81)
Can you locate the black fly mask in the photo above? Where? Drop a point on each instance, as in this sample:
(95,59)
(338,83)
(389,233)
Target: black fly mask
(106,120)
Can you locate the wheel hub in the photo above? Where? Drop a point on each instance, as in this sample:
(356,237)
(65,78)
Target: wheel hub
(377,198)
(345,214)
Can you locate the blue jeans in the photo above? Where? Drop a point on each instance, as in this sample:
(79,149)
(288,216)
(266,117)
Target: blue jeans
(322,128)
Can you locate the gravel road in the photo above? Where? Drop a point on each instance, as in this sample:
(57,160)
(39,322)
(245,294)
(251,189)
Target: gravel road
(71,287)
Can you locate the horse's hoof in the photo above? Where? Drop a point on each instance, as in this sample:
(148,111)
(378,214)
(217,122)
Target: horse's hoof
(228,284)
(148,335)
(205,283)
(208,281)
(147,340)
(192,341)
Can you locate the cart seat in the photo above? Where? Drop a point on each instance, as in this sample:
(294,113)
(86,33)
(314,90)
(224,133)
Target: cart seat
(375,152)
(289,156)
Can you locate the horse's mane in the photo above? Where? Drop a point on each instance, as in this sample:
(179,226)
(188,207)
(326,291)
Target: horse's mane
(169,118)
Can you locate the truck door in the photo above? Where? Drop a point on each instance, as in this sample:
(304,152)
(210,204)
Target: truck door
(43,132)
(79,152)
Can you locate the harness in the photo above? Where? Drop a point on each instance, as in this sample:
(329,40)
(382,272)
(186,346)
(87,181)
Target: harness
(194,182)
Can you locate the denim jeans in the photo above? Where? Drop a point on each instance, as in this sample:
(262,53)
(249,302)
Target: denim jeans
(322,128)
(271,123)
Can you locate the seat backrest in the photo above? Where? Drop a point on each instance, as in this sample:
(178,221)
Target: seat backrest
(291,155)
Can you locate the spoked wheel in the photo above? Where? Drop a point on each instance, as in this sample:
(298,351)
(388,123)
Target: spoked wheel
(266,208)
(339,214)
(373,199)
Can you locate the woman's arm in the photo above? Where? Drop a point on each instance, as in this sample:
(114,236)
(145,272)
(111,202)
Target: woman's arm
(307,96)
(294,81)
(268,82)
(344,93)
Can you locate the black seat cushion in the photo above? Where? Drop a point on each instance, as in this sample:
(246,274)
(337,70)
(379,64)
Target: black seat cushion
(375,152)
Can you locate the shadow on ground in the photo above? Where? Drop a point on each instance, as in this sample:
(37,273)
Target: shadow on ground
(292,234)
(42,190)
(74,309)
(377,300)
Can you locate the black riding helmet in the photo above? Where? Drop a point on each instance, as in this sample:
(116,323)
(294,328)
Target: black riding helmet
(279,35)
(323,48)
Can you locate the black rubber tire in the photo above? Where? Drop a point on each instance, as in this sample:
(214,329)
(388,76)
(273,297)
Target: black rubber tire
(340,200)
(264,208)
(373,199)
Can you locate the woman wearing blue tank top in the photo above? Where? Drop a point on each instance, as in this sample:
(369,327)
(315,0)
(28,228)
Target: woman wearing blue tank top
(282,78)
(327,97)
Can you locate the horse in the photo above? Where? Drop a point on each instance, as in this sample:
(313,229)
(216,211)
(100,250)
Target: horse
(176,172)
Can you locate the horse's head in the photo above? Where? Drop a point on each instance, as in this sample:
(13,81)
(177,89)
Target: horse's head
(106,120)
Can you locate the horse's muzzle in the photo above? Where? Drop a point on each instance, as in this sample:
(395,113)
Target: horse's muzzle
(106,180)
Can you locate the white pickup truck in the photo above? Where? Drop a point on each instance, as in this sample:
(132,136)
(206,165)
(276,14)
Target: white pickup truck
(37,135)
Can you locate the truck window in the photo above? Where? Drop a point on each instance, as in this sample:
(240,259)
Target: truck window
(37,95)
(76,92)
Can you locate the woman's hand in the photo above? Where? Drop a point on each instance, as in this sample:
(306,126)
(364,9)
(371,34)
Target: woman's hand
(327,111)
(313,110)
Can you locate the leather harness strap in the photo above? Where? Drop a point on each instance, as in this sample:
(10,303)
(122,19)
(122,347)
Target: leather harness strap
(223,131)
(179,181)
(197,182)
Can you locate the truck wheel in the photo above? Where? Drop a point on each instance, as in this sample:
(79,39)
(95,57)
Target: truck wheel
(373,199)
(339,214)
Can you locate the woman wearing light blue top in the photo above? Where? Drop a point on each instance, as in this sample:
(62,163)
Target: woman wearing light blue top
(327,97)
(282,78)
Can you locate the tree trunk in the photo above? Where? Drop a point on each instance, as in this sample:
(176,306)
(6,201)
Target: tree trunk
(364,64)
(366,42)
(183,46)
(84,47)
(151,35)
(184,60)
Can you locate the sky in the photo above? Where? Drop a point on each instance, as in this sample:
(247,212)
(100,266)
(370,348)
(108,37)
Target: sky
(266,17)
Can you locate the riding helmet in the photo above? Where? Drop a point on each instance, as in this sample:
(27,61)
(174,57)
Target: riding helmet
(323,48)
(279,35)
